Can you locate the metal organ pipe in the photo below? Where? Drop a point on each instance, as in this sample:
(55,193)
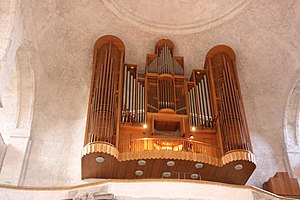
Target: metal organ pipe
(227,117)
(124,92)
(133,101)
(194,106)
(98,124)
(165,61)
(108,103)
(103,111)
(127,89)
(131,93)
(231,121)
(101,124)
(207,100)
(202,95)
(200,106)
(202,114)
(238,121)
(224,126)
(173,92)
(190,107)
(138,102)
(164,56)
(161,94)
(96,102)
(143,104)
(204,102)
(167,93)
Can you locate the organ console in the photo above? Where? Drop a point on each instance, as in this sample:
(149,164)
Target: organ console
(198,123)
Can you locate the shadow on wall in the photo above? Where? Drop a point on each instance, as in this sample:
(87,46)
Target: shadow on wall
(267,162)
(26,89)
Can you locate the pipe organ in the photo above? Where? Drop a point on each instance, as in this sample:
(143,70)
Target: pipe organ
(162,115)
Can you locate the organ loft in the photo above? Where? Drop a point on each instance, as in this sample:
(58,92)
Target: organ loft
(162,124)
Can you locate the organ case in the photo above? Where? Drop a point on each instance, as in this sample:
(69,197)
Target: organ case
(162,115)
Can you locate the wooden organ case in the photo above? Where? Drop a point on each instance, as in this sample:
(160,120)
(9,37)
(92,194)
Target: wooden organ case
(162,125)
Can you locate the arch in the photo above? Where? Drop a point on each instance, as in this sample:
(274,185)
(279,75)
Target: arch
(291,130)
(221,49)
(110,38)
(25,84)
(162,42)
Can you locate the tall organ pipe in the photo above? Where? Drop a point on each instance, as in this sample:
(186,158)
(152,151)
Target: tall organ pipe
(204,102)
(207,99)
(127,90)
(133,101)
(107,104)
(194,106)
(233,121)
(124,88)
(190,107)
(131,94)
(204,113)
(138,102)
(143,104)
(200,106)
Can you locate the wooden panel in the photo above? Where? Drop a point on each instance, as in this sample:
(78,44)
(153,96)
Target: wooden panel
(283,185)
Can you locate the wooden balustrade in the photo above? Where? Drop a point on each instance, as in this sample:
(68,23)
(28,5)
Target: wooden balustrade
(158,144)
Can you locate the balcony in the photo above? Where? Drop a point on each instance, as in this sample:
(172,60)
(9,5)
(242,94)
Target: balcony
(168,145)
(122,162)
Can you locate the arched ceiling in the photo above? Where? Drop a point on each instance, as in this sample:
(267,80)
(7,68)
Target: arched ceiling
(177,16)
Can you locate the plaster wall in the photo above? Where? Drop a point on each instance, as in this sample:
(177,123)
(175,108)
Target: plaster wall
(57,45)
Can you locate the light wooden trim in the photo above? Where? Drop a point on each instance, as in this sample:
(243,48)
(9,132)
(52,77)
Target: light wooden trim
(103,147)
(100,147)
(238,155)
